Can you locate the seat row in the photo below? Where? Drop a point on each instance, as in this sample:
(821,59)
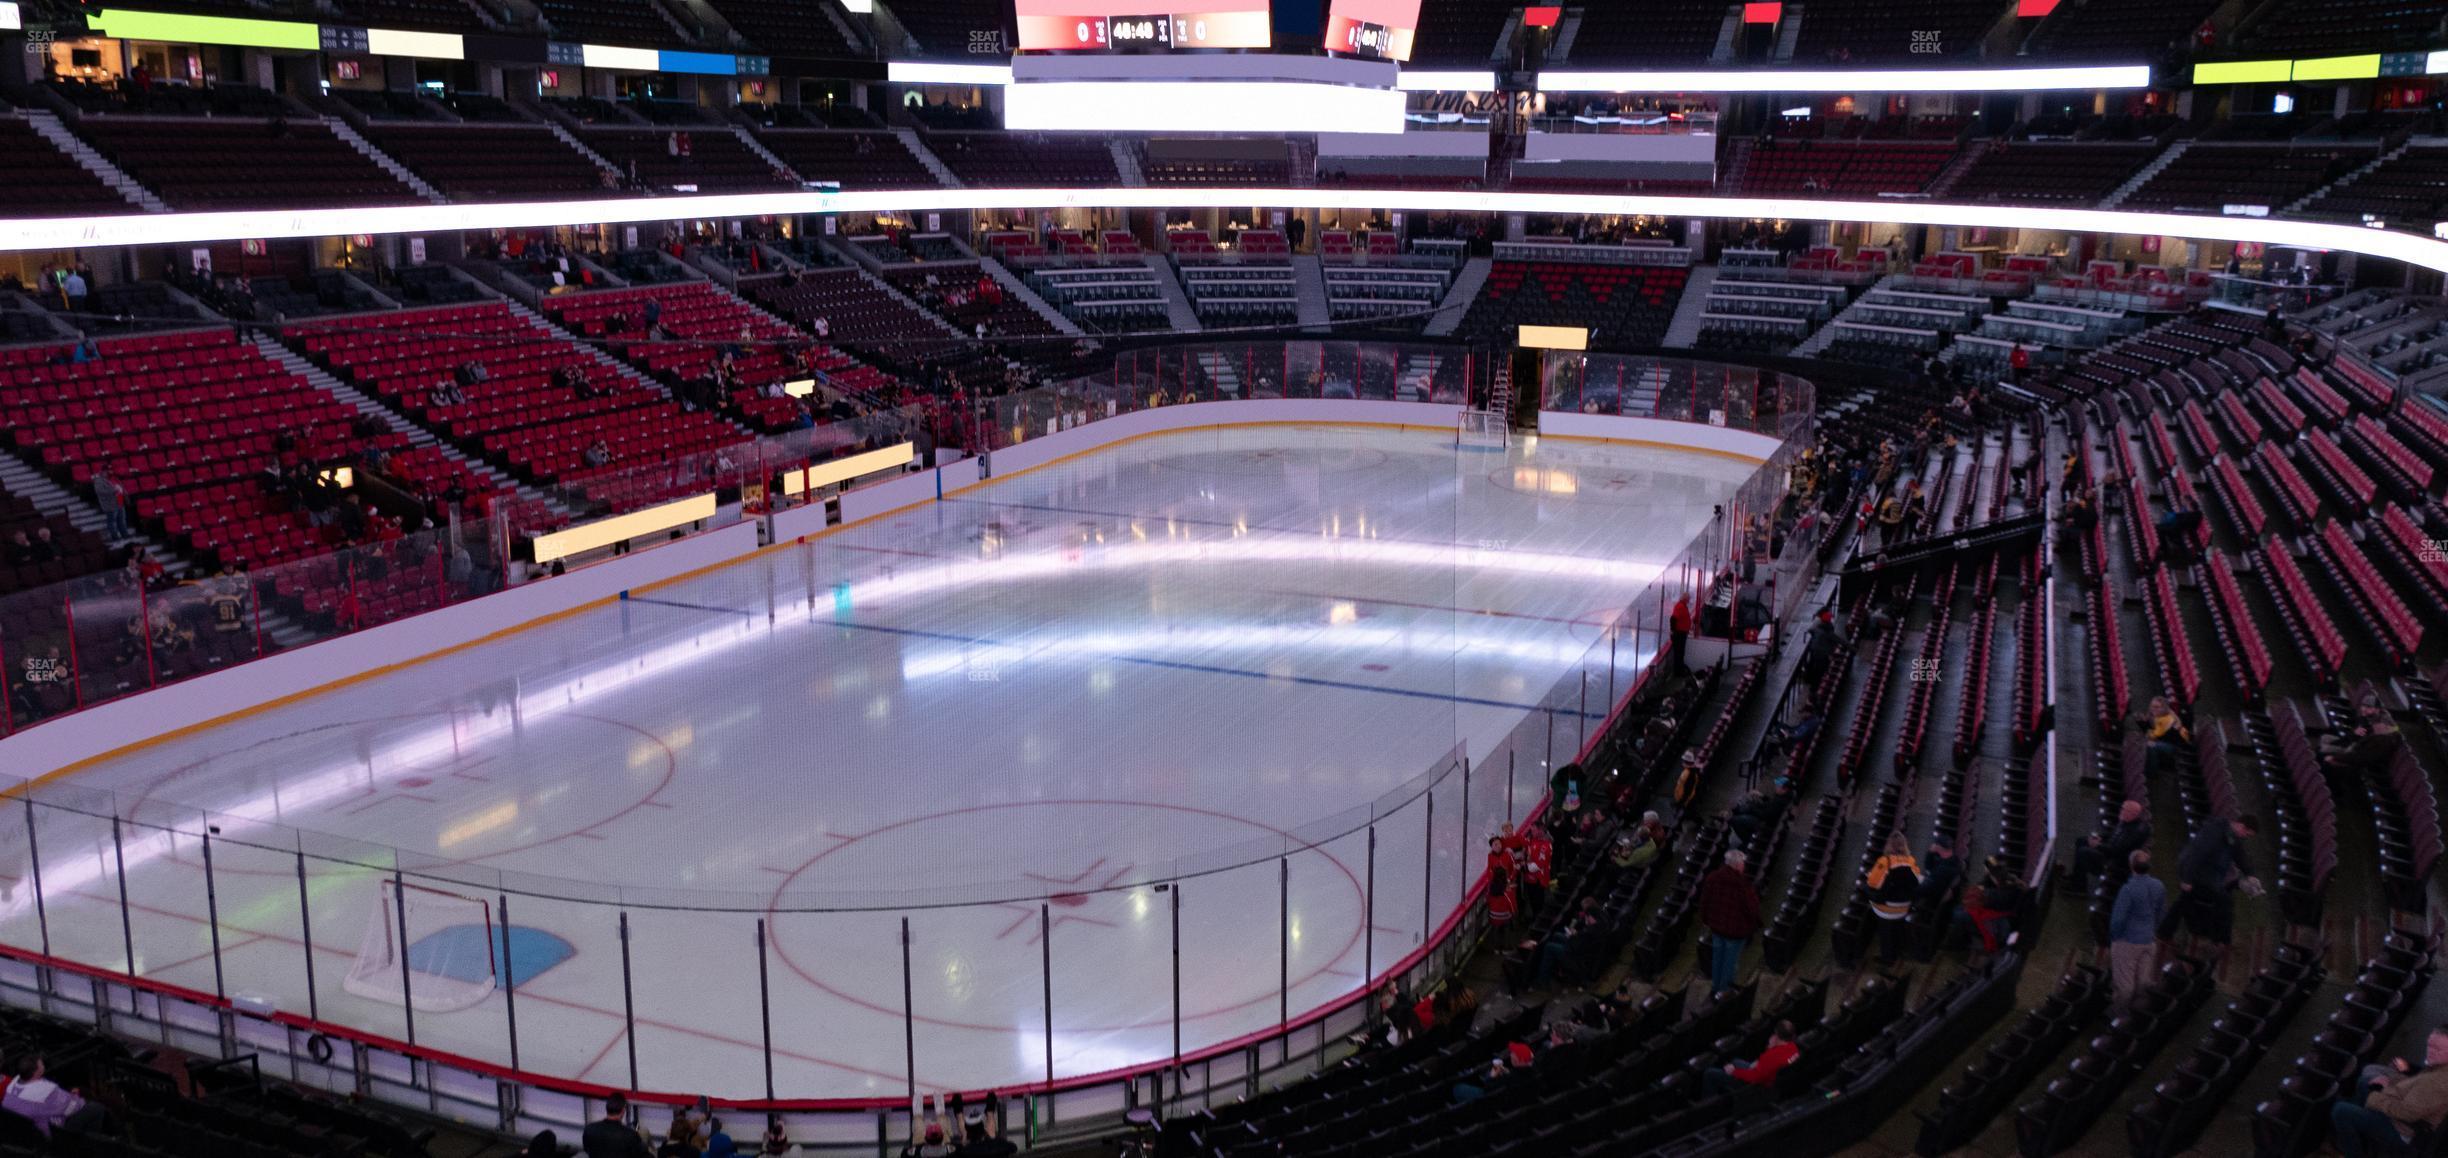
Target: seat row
(2239,635)
(1850,935)
(2298,789)
(1972,704)
(2111,695)
(2406,822)
(2171,1119)
(2296,1119)
(2385,616)
(1967,1106)
(2179,675)
(1857,748)
(2098,1073)
(2031,690)
(2315,635)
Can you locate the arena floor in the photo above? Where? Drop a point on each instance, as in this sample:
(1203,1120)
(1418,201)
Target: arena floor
(1174,657)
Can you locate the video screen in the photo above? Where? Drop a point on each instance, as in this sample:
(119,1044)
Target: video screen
(1379,29)
(1129,26)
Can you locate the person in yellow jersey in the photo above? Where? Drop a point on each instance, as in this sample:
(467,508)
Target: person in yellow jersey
(2167,734)
(1894,882)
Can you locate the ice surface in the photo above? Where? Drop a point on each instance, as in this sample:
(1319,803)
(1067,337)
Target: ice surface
(1012,710)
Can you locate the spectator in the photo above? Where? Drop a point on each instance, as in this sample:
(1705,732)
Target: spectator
(73,287)
(2097,853)
(928,1138)
(2368,743)
(2133,925)
(598,453)
(777,1139)
(2208,871)
(1501,902)
(681,1140)
(2176,533)
(1537,866)
(1760,1072)
(1799,734)
(1890,521)
(1643,844)
(545,1144)
(2379,1117)
(2167,735)
(1895,882)
(1940,873)
(982,1131)
(1515,1058)
(1759,810)
(1988,908)
(36,1098)
(1678,627)
(1818,647)
(20,549)
(1555,956)
(1730,910)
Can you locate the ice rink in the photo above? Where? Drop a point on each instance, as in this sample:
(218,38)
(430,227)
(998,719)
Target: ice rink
(998,717)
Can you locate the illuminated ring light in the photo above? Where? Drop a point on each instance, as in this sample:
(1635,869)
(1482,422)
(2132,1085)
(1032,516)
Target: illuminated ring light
(58,233)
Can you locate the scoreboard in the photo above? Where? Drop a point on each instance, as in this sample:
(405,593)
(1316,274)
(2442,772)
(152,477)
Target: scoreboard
(1224,66)
(1128,26)
(1376,29)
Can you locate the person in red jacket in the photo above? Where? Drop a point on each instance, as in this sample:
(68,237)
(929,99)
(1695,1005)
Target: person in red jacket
(1760,1072)
(1678,628)
(1537,867)
(1501,902)
(1730,910)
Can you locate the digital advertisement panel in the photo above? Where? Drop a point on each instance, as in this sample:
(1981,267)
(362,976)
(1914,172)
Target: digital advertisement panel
(1131,26)
(1378,29)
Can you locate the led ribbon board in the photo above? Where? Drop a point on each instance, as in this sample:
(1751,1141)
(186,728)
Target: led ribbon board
(825,474)
(120,24)
(29,234)
(620,528)
(2119,76)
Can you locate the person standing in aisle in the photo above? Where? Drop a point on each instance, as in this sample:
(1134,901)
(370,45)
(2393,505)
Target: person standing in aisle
(1678,628)
(1730,909)
(2133,930)
(1895,883)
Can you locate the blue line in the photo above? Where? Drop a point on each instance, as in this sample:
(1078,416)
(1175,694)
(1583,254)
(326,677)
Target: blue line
(692,606)
(1209,669)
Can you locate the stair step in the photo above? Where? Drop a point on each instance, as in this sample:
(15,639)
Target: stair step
(1458,297)
(1178,311)
(49,127)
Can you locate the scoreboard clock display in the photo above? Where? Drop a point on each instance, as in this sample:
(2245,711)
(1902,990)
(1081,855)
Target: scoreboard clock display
(1094,26)
(1376,29)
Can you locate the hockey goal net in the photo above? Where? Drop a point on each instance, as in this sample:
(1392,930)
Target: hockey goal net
(448,943)
(1481,428)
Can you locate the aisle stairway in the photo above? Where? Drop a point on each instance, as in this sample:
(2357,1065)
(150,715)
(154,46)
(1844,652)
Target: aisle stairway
(1684,331)
(1179,313)
(1309,293)
(1458,297)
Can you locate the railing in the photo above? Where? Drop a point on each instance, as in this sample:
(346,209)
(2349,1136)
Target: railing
(1677,390)
(224,931)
